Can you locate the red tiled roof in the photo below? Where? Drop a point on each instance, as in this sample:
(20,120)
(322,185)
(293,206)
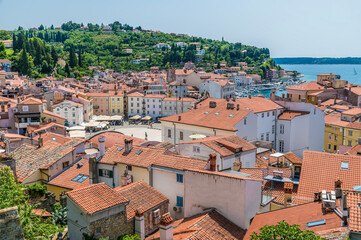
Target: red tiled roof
(352,111)
(299,215)
(31,100)
(46,112)
(96,197)
(310,86)
(208,225)
(293,158)
(64,180)
(289,115)
(355,150)
(321,170)
(224,145)
(148,156)
(140,195)
(112,138)
(41,212)
(353,198)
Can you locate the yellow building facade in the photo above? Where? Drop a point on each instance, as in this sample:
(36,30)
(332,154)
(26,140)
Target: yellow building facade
(116,105)
(334,137)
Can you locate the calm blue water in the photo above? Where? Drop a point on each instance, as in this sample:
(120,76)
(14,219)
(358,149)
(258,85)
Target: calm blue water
(310,71)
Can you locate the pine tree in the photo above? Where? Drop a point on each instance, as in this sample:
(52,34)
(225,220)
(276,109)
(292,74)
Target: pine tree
(72,58)
(24,64)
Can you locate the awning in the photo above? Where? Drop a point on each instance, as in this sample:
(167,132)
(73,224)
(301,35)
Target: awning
(276,155)
(92,124)
(197,136)
(75,128)
(147,118)
(102,118)
(116,118)
(77,134)
(136,117)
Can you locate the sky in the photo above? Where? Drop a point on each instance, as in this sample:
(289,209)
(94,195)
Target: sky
(289,28)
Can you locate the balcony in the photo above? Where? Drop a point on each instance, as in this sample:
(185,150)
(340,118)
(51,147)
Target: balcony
(280,175)
(26,124)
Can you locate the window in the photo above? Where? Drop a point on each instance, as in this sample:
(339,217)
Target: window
(329,146)
(180,135)
(25,108)
(344,165)
(179,178)
(179,201)
(349,143)
(129,168)
(267,137)
(335,137)
(98,230)
(262,115)
(262,137)
(315,223)
(273,113)
(80,178)
(169,133)
(329,136)
(273,129)
(65,164)
(334,147)
(282,129)
(245,121)
(196,149)
(267,114)
(350,132)
(105,173)
(74,113)
(281,146)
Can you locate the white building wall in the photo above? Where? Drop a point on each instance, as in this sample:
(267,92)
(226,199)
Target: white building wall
(165,181)
(74,114)
(247,127)
(107,180)
(230,196)
(135,105)
(153,107)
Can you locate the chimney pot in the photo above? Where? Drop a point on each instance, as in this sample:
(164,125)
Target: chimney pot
(237,165)
(212,160)
(250,96)
(166,228)
(128,142)
(101,146)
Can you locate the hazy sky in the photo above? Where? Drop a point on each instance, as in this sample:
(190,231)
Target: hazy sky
(289,28)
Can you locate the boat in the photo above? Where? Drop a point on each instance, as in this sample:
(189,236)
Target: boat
(354,71)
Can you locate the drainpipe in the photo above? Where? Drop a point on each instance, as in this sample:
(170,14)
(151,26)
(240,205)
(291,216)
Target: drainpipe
(113,176)
(275,146)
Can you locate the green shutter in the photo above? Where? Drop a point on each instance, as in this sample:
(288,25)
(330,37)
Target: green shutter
(110,174)
(100,172)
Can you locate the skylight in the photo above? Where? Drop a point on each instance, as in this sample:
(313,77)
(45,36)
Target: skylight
(216,113)
(344,165)
(264,157)
(206,112)
(139,152)
(316,223)
(80,178)
(54,139)
(120,149)
(230,115)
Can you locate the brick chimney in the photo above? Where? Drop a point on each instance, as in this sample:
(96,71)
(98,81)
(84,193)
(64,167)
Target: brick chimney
(166,227)
(338,188)
(101,146)
(237,165)
(212,161)
(40,141)
(93,170)
(139,226)
(288,187)
(128,143)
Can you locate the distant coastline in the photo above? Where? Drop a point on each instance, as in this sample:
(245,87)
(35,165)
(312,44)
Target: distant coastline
(325,60)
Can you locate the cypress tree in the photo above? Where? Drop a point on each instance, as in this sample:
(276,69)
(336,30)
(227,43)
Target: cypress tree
(14,42)
(67,69)
(80,60)
(3,53)
(72,58)
(54,56)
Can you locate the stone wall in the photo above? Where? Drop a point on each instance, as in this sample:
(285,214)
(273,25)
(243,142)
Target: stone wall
(112,226)
(149,224)
(10,227)
(337,234)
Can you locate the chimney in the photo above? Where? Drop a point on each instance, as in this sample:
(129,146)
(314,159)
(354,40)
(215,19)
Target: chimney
(139,226)
(101,146)
(128,143)
(212,104)
(93,170)
(179,118)
(212,160)
(237,107)
(288,187)
(338,188)
(237,165)
(166,227)
(40,141)
(250,96)
(317,197)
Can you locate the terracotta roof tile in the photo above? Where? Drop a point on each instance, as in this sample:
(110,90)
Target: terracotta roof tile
(355,150)
(96,197)
(147,156)
(224,145)
(300,215)
(353,198)
(289,115)
(207,225)
(112,138)
(293,158)
(140,195)
(321,170)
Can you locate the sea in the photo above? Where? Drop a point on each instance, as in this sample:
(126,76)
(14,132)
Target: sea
(348,72)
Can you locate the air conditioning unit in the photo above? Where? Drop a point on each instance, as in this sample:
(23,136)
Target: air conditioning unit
(329,204)
(156,213)
(177,209)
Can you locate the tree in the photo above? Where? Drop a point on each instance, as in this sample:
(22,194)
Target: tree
(72,57)
(54,56)
(4,35)
(284,231)
(67,69)
(3,53)
(41,27)
(80,59)
(23,62)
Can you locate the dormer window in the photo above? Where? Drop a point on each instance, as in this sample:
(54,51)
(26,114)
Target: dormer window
(25,108)
(344,165)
